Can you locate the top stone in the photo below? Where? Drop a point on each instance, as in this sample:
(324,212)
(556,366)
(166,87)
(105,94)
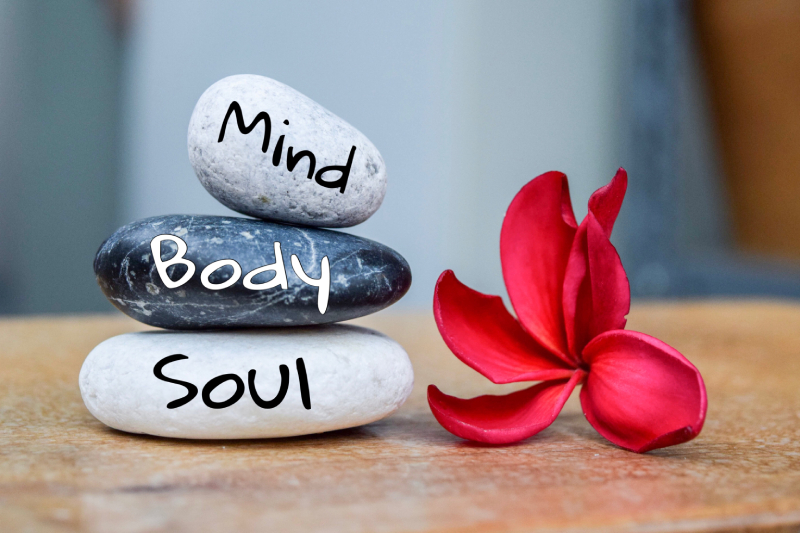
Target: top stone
(265,150)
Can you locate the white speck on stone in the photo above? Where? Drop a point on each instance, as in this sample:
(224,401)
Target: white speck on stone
(180,232)
(215,240)
(142,311)
(145,257)
(355,376)
(246,234)
(152,289)
(181,293)
(241,176)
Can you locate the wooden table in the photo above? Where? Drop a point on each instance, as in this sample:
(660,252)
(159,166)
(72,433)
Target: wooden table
(60,469)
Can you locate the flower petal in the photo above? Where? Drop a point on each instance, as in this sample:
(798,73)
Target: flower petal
(606,201)
(534,248)
(641,394)
(577,293)
(503,419)
(596,292)
(483,334)
(611,291)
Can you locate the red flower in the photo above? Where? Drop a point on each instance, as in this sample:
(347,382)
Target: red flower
(571,295)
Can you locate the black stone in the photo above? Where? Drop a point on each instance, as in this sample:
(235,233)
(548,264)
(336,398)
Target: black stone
(366,276)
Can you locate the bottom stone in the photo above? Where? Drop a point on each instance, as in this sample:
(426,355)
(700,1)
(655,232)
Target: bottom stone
(245,384)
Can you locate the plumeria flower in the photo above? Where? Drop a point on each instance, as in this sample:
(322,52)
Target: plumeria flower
(570,294)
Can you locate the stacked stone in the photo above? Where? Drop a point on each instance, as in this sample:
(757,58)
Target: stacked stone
(257,355)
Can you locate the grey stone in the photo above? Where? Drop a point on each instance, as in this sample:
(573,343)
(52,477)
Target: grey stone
(354,376)
(238,173)
(365,276)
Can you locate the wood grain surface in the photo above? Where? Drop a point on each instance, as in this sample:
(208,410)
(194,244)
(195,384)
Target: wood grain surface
(62,470)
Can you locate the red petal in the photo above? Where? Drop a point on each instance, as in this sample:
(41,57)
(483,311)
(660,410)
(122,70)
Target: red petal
(577,293)
(483,334)
(606,201)
(641,394)
(503,419)
(534,247)
(597,294)
(611,292)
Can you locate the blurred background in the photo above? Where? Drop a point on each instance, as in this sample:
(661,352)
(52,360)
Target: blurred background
(467,101)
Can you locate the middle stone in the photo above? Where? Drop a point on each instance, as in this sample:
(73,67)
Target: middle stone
(195,272)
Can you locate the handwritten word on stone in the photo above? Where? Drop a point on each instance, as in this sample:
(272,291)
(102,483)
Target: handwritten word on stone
(268,151)
(191,389)
(292,159)
(323,283)
(254,383)
(359,277)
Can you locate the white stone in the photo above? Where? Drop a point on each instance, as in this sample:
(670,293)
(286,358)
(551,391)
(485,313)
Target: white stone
(355,376)
(240,175)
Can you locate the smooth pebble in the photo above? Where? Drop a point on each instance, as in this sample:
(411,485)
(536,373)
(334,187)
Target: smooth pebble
(244,172)
(355,376)
(364,276)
